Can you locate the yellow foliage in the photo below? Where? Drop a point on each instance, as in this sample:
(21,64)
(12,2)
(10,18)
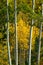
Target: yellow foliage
(1,35)
(23,34)
(35,34)
(9,1)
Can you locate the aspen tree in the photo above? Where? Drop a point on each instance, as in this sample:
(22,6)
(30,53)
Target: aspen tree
(9,55)
(31,30)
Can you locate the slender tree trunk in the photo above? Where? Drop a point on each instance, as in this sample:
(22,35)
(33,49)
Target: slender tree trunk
(40,39)
(31,30)
(8,36)
(42,9)
(16,32)
(40,33)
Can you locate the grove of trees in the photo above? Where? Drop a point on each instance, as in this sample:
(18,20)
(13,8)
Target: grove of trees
(16,28)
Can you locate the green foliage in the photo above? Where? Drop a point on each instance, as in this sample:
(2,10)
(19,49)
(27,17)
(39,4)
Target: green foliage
(3,11)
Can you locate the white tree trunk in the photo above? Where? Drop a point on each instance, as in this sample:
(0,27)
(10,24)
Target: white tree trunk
(39,44)
(8,36)
(16,32)
(31,30)
(40,39)
(42,9)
